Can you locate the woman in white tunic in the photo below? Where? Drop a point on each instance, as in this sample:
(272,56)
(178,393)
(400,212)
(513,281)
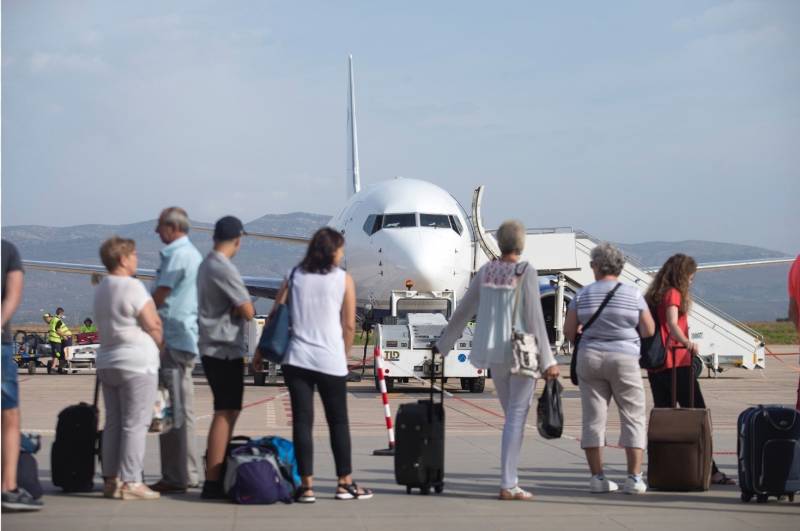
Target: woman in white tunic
(491,296)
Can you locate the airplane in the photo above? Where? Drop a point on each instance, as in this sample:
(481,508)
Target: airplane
(399,233)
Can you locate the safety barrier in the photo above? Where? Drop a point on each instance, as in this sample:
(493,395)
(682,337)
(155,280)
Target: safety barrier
(385,399)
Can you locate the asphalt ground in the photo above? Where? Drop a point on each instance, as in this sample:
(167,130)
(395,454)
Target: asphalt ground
(554,470)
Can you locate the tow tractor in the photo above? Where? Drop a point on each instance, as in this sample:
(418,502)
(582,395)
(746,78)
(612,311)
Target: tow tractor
(408,333)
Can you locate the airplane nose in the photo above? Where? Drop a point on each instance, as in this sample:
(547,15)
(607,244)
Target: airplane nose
(426,261)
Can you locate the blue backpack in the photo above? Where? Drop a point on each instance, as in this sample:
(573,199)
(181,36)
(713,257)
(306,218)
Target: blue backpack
(283,450)
(253,476)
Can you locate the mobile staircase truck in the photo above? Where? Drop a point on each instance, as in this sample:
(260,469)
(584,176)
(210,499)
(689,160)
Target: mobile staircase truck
(406,336)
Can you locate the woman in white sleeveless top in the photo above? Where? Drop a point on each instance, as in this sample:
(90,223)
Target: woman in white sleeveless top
(323,311)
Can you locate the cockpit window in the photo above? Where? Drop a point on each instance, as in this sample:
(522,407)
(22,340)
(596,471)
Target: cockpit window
(394,221)
(373,224)
(436,221)
(456,224)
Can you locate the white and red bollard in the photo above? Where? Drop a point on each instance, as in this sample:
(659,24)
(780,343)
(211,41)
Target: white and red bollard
(386,410)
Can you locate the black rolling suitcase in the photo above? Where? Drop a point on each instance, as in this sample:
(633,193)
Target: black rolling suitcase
(72,458)
(769,452)
(419,445)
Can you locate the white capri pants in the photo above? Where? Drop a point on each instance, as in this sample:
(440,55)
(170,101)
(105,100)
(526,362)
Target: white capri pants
(128,397)
(604,375)
(515,393)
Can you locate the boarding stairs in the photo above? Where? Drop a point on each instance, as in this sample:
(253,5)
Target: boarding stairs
(564,253)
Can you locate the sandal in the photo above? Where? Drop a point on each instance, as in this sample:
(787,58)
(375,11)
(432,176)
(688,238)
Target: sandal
(515,493)
(304,495)
(723,479)
(352,492)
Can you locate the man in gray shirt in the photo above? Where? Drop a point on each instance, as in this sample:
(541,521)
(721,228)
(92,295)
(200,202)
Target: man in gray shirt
(223,308)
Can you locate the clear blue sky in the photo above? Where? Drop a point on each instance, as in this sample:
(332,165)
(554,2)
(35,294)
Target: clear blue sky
(634,121)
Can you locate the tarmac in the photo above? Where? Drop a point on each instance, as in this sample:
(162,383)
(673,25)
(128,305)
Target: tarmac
(554,470)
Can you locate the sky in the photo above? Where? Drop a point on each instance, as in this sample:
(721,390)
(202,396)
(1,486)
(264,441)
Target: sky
(632,120)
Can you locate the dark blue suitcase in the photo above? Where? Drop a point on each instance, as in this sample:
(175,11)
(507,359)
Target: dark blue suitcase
(768,449)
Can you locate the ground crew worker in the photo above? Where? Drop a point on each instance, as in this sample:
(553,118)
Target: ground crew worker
(88,327)
(54,339)
(62,328)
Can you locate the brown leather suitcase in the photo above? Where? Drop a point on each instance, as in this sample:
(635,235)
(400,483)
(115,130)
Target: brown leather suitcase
(679,448)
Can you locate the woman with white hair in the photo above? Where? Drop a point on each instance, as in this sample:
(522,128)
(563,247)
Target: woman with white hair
(608,365)
(492,295)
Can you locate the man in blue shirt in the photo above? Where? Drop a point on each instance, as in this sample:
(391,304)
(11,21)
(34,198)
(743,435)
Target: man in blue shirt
(176,299)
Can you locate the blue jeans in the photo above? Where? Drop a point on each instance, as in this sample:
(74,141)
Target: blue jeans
(10,385)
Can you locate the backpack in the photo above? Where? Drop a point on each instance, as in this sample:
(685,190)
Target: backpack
(27,469)
(252,476)
(283,451)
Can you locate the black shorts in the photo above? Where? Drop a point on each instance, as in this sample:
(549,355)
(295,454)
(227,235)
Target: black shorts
(226,379)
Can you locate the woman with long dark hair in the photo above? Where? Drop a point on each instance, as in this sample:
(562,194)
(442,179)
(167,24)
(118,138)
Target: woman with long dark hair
(669,299)
(323,311)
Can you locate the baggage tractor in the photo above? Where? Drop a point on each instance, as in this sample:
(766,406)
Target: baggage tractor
(679,451)
(72,458)
(768,446)
(419,446)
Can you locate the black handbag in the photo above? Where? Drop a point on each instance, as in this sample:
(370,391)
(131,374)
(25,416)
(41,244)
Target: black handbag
(652,353)
(573,362)
(549,413)
(275,337)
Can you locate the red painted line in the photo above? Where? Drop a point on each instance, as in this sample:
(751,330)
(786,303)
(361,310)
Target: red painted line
(775,356)
(496,414)
(259,402)
(476,406)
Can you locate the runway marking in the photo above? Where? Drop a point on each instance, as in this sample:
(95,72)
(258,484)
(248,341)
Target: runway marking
(249,405)
(271,415)
(776,356)
(528,426)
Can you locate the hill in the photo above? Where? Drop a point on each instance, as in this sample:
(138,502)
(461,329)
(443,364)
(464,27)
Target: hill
(749,294)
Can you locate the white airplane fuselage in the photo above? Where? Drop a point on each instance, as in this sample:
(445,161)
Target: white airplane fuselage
(404,230)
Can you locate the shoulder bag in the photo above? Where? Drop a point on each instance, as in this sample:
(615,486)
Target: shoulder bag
(652,352)
(524,348)
(573,362)
(278,331)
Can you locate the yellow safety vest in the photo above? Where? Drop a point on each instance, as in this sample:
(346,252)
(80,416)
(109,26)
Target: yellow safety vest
(52,335)
(88,329)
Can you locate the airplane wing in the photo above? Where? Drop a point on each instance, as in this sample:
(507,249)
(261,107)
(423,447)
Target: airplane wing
(737,264)
(263,236)
(81,269)
(257,286)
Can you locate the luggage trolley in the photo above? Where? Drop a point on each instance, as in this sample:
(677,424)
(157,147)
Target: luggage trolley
(407,335)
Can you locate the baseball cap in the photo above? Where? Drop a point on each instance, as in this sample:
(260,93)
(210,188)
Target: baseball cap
(228,228)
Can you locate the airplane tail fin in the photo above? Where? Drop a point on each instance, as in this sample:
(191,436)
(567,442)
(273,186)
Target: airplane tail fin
(353,177)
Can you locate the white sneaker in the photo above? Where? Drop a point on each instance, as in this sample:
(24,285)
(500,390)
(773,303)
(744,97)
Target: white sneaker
(634,486)
(598,485)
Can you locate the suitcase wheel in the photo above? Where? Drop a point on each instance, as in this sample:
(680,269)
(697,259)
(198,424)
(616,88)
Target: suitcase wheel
(791,498)
(762,498)
(747,496)
(439,488)
(408,490)
(425,490)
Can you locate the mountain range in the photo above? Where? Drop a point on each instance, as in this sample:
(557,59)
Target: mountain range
(749,294)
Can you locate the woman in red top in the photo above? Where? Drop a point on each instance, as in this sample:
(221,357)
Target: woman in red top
(669,297)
